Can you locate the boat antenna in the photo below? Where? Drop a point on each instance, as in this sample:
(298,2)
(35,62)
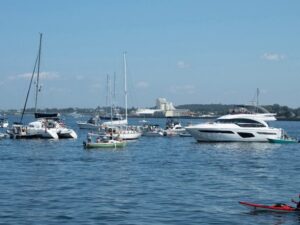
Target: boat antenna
(38,74)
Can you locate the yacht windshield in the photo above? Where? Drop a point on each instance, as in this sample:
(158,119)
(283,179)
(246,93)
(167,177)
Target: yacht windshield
(241,122)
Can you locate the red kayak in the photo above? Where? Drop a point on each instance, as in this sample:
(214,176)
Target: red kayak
(279,207)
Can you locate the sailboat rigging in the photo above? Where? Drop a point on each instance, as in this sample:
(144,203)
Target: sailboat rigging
(36,64)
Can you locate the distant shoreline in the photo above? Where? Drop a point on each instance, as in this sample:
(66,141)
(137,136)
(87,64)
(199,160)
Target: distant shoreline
(193,111)
(156,117)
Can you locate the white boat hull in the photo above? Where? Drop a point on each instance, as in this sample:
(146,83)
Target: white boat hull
(128,135)
(235,135)
(32,133)
(173,132)
(66,133)
(90,126)
(4,125)
(115,123)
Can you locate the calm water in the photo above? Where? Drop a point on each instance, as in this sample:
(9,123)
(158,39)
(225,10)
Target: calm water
(151,181)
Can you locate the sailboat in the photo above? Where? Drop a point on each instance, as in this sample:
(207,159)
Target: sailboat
(114,113)
(47,125)
(119,128)
(52,120)
(115,119)
(124,131)
(36,129)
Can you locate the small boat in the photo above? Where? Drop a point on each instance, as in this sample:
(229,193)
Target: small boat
(3,122)
(152,130)
(279,207)
(93,123)
(104,144)
(283,140)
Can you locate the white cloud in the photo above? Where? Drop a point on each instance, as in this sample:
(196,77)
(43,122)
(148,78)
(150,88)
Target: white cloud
(43,75)
(185,89)
(182,65)
(273,56)
(142,84)
(79,77)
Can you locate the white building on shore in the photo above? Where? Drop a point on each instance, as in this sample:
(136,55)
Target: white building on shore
(163,108)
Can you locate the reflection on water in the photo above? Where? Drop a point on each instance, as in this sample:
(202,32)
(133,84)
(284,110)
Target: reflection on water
(246,146)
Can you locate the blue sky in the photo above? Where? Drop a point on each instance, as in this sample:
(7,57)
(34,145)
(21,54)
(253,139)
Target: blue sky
(188,51)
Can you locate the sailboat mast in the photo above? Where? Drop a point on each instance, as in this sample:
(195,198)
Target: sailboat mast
(110,97)
(257,96)
(114,95)
(28,91)
(38,73)
(125,84)
(107,89)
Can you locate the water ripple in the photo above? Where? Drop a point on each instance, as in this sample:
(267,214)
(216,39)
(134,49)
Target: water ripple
(151,181)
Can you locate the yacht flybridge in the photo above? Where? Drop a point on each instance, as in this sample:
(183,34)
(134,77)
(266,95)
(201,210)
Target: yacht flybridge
(245,126)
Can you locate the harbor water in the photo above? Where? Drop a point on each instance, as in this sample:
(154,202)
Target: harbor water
(155,180)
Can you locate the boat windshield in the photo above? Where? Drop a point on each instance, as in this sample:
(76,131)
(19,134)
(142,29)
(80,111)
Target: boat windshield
(241,122)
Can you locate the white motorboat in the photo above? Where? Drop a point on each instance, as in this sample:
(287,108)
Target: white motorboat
(92,124)
(152,130)
(3,122)
(36,129)
(173,128)
(244,127)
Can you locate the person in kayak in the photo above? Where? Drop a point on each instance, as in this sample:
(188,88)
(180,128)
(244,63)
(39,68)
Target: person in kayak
(297,203)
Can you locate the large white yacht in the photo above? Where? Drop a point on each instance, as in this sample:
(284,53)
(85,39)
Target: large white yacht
(245,125)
